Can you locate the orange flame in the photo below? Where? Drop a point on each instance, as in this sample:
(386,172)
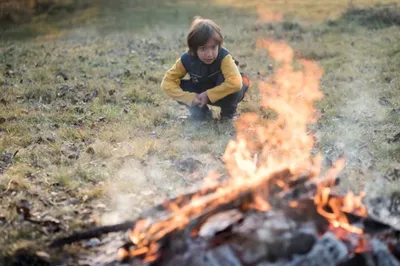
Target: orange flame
(359,242)
(260,204)
(349,203)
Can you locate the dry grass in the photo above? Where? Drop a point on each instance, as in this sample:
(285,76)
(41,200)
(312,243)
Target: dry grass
(83,107)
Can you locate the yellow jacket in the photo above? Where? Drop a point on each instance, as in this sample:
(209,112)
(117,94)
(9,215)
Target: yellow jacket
(233,82)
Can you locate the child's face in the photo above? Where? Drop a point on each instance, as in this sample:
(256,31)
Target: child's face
(208,52)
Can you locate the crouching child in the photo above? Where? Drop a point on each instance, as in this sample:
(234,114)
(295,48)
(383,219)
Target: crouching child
(214,75)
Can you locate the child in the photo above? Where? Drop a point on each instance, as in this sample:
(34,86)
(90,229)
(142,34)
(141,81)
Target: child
(214,77)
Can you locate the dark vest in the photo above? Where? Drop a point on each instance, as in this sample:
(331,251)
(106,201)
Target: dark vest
(202,75)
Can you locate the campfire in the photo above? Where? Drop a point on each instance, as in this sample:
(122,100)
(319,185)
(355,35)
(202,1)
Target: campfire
(277,207)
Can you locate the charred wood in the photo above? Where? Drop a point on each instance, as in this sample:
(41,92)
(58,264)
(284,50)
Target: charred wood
(301,188)
(94,232)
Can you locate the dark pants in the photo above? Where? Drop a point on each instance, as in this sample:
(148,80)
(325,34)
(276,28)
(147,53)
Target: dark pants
(228,104)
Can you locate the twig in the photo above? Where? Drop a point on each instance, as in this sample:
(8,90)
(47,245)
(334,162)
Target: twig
(94,232)
(9,185)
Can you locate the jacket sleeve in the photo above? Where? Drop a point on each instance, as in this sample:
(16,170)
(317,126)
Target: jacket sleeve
(232,83)
(171,84)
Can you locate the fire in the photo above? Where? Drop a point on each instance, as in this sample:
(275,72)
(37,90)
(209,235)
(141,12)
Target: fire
(339,206)
(261,151)
(334,209)
(260,204)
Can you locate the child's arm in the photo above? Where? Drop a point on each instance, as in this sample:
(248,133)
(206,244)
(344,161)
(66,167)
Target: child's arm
(232,83)
(171,84)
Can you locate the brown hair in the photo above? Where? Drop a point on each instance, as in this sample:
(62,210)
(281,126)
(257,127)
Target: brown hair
(200,32)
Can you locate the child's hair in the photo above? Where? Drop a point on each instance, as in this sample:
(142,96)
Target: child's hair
(200,32)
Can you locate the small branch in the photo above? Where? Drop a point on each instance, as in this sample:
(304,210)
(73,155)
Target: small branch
(94,232)
(9,185)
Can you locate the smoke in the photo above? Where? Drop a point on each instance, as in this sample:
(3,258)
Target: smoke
(129,180)
(137,185)
(352,131)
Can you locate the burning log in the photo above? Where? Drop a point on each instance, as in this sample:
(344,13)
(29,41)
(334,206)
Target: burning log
(302,188)
(289,236)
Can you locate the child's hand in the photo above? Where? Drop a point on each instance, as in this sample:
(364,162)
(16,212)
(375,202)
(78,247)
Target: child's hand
(203,98)
(196,101)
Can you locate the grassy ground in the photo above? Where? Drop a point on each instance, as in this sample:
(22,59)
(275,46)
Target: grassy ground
(88,137)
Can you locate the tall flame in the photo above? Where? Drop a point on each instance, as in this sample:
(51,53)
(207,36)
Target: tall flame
(285,142)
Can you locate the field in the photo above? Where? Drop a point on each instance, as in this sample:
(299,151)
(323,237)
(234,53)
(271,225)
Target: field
(88,137)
